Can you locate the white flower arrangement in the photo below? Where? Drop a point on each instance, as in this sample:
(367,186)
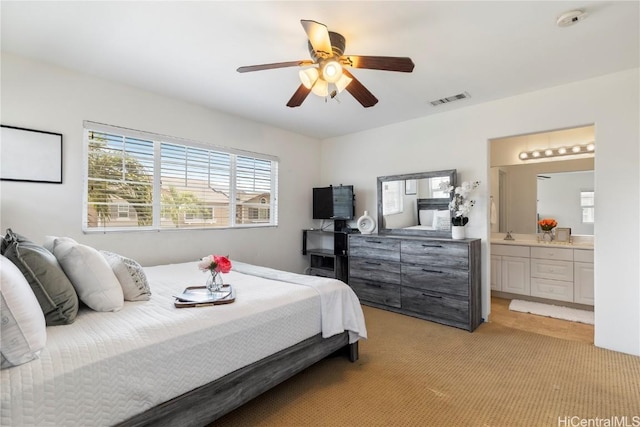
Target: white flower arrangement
(461,205)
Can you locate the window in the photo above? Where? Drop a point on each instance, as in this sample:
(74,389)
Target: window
(587,204)
(137,180)
(392,196)
(436,191)
(123,211)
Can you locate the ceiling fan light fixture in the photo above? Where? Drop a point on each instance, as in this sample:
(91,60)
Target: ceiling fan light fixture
(331,71)
(308,77)
(343,82)
(320,88)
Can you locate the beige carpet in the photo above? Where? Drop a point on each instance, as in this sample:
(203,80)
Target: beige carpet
(416,373)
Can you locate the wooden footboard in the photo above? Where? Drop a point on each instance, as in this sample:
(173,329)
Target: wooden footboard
(205,404)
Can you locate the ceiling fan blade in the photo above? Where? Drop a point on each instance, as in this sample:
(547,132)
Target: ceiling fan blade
(298,97)
(359,92)
(300,63)
(386,63)
(318,35)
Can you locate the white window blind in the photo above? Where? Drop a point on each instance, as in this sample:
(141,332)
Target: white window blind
(138,180)
(119,181)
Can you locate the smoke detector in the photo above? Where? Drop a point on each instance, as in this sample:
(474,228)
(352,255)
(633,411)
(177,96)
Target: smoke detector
(572,17)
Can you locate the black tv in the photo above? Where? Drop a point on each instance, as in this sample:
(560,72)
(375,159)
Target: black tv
(334,202)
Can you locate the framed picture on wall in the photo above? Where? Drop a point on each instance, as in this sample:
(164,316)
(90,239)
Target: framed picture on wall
(410,187)
(30,155)
(563,234)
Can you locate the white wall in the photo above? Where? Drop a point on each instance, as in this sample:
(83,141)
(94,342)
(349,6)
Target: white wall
(460,140)
(44,97)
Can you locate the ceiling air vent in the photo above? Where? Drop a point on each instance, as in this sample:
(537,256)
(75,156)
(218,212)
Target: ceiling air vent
(449,99)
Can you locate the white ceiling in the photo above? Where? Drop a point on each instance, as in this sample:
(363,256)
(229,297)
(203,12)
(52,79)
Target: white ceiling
(190,50)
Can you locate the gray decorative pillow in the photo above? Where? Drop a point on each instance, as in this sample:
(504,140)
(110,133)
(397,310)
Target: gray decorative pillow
(52,288)
(130,274)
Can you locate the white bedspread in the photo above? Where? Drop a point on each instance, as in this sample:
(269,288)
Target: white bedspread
(341,310)
(107,367)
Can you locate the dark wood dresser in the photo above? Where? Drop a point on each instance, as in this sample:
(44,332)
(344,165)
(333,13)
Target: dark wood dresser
(430,278)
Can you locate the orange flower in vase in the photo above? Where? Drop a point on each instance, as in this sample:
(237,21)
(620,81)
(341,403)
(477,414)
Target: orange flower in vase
(547,225)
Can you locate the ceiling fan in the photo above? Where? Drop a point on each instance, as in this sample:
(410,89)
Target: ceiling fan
(327,73)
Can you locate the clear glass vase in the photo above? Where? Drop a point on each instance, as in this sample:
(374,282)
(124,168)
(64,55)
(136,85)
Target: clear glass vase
(547,236)
(214,282)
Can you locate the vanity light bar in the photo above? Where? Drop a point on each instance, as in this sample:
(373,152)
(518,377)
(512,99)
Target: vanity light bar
(557,152)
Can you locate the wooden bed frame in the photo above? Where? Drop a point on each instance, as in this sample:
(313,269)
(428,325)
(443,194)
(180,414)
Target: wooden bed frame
(211,401)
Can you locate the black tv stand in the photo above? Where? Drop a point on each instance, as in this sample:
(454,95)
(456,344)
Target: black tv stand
(327,251)
(340,225)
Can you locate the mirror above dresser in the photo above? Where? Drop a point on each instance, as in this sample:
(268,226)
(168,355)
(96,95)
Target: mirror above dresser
(415,204)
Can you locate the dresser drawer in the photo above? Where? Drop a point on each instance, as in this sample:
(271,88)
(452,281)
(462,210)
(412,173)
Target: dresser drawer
(546,252)
(438,279)
(435,253)
(374,247)
(433,304)
(374,270)
(552,289)
(550,269)
(377,292)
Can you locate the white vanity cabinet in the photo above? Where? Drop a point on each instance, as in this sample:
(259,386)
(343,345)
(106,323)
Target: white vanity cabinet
(543,271)
(552,273)
(512,269)
(583,276)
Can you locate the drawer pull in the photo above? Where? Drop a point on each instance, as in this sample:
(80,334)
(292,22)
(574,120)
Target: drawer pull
(431,246)
(426,270)
(374,241)
(431,295)
(372,263)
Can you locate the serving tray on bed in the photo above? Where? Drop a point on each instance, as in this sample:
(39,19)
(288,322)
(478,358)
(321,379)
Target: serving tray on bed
(199,296)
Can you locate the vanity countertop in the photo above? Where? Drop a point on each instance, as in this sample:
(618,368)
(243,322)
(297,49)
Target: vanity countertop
(580,244)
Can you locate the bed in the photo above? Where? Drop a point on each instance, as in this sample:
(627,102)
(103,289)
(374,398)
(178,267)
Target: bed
(151,363)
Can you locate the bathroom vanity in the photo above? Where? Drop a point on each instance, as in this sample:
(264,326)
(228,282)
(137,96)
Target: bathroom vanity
(534,270)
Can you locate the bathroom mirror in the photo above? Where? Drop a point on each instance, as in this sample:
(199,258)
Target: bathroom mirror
(559,187)
(415,203)
(568,197)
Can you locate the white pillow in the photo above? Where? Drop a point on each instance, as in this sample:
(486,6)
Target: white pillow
(50,241)
(23,330)
(91,275)
(131,276)
(442,220)
(426,217)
